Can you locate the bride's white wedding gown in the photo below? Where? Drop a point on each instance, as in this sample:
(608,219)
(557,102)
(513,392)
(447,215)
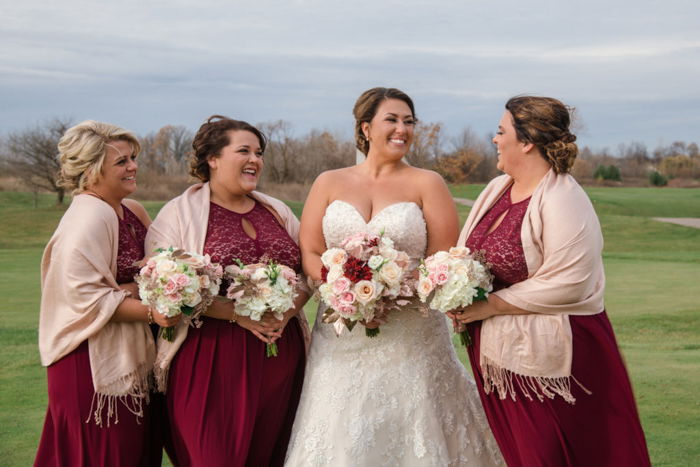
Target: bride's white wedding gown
(401,398)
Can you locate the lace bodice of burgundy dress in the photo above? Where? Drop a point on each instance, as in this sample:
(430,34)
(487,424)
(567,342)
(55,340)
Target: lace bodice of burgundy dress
(132,234)
(226,240)
(503,247)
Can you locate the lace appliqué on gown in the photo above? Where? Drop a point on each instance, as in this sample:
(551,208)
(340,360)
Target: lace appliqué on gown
(402,398)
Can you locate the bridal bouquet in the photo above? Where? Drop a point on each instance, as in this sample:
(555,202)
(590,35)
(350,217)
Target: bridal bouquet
(453,279)
(175,281)
(262,288)
(363,279)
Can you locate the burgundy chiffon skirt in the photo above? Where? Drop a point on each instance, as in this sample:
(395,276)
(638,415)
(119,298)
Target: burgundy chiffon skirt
(601,429)
(67,440)
(229,404)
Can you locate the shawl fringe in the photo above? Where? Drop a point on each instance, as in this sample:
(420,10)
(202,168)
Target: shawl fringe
(138,385)
(503,381)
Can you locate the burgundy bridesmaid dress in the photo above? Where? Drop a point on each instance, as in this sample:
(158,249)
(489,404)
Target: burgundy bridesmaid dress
(229,404)
(68,439)
(601,428)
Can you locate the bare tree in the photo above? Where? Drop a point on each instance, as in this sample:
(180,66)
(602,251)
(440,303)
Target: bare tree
(427,145)
(32,155)
(167,150)
(280,151)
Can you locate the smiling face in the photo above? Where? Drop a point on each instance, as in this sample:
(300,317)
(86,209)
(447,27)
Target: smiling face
(239,166)
(390,132)
(510,151)
(118,177)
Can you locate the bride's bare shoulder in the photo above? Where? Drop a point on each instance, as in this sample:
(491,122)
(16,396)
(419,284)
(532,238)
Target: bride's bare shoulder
(424,177)
(331,178)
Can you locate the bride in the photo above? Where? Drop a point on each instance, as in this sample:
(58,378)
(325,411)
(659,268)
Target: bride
(403,397)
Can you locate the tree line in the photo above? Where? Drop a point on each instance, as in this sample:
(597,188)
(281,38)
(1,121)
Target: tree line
(30,155)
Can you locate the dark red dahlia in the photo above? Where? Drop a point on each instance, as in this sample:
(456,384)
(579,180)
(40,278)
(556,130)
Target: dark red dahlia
(357,270)
(324,273)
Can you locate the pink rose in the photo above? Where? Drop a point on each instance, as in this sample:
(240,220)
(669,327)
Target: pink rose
(170,287)
(174,297)
(182,280)
(290,275)
(441,278)
(341,285)
(346,298)
(347,311)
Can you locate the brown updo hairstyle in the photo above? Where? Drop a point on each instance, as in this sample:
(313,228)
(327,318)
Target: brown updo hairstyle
(212,137)
(366,108)
(82,150)
(544,122)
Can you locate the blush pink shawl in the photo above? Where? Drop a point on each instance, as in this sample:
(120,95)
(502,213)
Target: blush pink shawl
(79,295)
(562,243)
(183,223)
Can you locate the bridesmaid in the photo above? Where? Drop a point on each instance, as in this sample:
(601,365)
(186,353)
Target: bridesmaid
(93,336)
(228,403)
(552,380)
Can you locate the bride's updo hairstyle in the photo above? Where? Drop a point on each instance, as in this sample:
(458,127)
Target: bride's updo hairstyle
(82,150)
(544,122)
(366,108)
(212,137)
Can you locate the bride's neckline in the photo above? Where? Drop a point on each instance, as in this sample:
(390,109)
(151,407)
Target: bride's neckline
(377,213)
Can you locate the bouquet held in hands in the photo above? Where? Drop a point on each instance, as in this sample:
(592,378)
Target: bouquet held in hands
(262,288)
(451,280)
(175,281)
(363,280)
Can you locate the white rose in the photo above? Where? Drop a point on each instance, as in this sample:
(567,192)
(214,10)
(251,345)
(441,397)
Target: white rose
(364,291)
(375,262)
(388,252)
(334,257)
(165,266)
(425,287)
(390,273)
(334,274)
(459,252)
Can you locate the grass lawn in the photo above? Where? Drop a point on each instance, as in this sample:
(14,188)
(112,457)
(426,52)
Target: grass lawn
(652,280)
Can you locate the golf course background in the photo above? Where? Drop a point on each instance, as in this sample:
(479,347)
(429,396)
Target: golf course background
(653,283)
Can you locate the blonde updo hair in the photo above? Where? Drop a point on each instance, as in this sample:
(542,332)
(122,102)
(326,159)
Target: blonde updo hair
(544,122)
(366,108)
(82,151)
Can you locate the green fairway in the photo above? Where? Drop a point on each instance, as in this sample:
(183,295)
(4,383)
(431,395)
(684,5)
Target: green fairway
(652,269)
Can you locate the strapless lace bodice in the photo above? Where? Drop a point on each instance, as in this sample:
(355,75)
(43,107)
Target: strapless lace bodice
(402,222)
(399,399)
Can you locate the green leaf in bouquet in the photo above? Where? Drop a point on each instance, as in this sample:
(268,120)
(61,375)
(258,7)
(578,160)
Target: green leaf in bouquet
(188,310)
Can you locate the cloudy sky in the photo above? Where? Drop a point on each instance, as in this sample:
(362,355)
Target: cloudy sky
(631,68)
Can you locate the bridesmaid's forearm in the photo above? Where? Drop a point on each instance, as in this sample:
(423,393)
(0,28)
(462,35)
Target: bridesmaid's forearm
(501,307)
(220,309)
(129,311)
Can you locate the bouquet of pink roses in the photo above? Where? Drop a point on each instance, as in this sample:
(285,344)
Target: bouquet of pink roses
(175,281)
(363,279)
(262,288)
(453,280)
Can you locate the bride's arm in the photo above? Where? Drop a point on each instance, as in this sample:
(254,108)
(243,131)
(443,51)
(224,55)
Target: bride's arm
(311,241)
(440,213)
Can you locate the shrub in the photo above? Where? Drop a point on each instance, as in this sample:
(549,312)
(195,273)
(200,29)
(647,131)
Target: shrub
(656,179)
